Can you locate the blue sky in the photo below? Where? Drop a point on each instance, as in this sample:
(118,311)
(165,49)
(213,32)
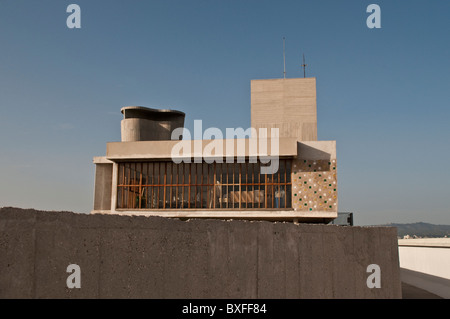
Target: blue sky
(383,94)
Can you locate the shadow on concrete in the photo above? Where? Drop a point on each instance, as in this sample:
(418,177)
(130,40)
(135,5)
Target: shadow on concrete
(429,284)
(313,153)
(412,292)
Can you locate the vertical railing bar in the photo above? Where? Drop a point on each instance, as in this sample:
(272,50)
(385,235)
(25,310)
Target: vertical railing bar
(159,183)
(123,183)
(153,183)
(147,182)
(189,186)
(201,184)
(240,181)
(182,182)
(208,190)
(164,184)
(177,183)
(285,183)
(140,187)
(214,183)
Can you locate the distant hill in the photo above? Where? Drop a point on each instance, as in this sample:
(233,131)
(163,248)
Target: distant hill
(422,229)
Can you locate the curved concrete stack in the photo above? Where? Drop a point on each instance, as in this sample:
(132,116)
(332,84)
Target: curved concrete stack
(146,124)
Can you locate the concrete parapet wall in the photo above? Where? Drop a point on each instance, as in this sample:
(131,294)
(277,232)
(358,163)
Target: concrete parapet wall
(425,263)
(155,257)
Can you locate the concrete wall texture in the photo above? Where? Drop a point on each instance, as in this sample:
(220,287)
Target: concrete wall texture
(425,263)
(147,124)
(155,257)
(287,104)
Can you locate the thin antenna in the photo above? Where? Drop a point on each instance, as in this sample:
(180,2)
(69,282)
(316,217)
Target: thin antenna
(304,66)
(284,58)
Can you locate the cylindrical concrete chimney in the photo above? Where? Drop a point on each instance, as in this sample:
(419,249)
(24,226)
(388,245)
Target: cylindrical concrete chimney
(145,124)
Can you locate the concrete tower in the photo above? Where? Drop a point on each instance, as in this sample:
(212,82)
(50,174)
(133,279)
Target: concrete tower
(287,104)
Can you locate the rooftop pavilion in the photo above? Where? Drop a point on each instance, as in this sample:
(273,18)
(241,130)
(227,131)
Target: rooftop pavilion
(149,173)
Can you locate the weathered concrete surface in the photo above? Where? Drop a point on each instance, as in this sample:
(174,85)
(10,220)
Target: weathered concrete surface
(155,257)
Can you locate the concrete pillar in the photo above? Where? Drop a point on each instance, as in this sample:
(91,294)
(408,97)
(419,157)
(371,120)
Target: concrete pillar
(102,188)
(115,175)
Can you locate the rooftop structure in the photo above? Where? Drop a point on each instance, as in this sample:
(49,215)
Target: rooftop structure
(280,172)
(145,124)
